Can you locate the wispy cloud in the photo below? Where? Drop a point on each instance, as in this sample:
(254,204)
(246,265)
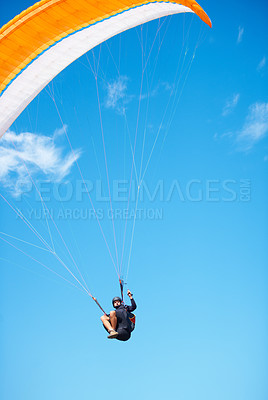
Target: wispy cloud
(60,131)
(117,97)
(255,127)
(159,88)
(27,155)
(240,34)
(261,64)
(230,104)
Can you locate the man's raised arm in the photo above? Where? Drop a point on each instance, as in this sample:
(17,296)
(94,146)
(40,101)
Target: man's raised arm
(133,303)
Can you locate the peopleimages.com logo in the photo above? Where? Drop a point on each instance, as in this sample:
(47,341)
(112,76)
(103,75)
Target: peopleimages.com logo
(122,191)
(89,200)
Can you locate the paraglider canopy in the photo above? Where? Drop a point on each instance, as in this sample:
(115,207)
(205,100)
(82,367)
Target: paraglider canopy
(44,39)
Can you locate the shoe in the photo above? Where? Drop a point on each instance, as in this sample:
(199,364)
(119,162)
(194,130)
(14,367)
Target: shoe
(112,335)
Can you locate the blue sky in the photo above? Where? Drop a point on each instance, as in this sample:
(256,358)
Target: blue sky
(198,265)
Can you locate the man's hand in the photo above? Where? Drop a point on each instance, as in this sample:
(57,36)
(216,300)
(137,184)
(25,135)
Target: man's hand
(129,294)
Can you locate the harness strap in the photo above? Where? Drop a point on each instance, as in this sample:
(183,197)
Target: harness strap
(121,282)
(98,304)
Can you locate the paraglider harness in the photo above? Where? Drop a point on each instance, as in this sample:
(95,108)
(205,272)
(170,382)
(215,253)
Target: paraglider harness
(131,317)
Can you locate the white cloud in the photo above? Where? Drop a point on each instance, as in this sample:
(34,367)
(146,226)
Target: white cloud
(27,155)
(240,34)
(255,127)
(261,64)
(117,96)
(159,89)
(60,131)
(230,104)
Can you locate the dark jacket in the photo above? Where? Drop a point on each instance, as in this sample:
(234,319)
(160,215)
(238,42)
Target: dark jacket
(122,315)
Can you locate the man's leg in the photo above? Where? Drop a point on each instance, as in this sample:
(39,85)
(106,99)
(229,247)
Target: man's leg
(113,320)
(106,322)
(110,324)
